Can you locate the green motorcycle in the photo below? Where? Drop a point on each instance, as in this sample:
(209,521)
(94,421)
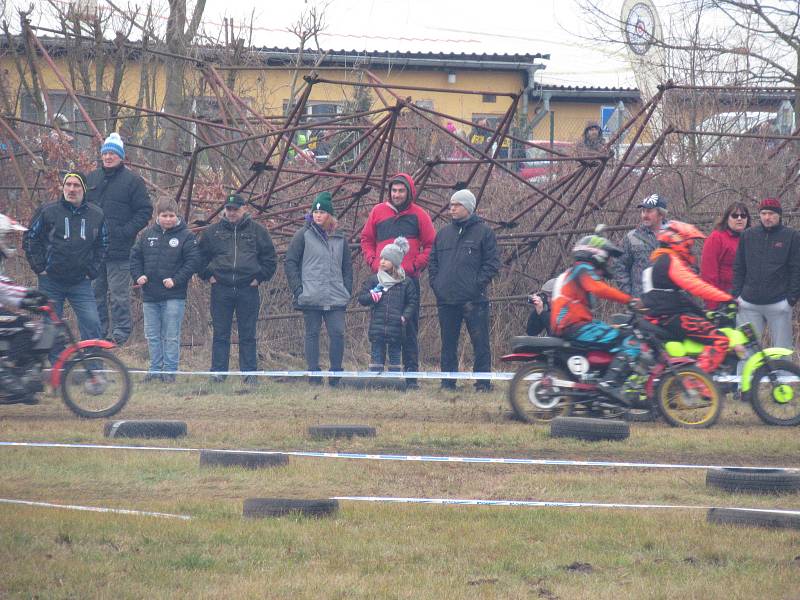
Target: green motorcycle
(769,381)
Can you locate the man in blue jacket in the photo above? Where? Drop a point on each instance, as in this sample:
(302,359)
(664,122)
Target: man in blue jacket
(123,197)
(65,246)
(463,261)
(238,255)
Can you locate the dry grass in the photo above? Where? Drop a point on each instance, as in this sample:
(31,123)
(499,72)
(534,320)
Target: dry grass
(387,551)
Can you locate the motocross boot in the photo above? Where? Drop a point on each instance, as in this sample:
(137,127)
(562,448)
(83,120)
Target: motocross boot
(614,383)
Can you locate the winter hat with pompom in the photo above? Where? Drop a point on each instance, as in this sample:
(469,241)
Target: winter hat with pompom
(395,251)
(114,144)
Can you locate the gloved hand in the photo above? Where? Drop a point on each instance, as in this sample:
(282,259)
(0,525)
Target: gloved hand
(34,299)
(376,293)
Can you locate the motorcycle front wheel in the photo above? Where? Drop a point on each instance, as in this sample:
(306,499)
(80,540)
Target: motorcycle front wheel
(95,384)
(776,400)
(688,397)
(527,394)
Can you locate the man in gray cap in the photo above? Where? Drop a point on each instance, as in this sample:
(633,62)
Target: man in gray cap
(639,244)
(463,261)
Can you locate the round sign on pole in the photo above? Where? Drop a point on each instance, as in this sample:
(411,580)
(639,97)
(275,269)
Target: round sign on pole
(640,25)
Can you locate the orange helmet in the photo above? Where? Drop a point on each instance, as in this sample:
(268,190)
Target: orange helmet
(680,237)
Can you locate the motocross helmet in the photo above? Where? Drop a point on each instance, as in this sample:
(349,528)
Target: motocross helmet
(679,237)
(595,249)
(7,227)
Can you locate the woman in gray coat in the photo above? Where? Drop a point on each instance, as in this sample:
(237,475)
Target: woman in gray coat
(320,276)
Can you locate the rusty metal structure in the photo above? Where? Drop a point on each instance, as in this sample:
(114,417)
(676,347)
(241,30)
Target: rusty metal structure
(266,158)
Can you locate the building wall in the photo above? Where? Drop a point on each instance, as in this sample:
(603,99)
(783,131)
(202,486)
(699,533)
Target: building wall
(267,91)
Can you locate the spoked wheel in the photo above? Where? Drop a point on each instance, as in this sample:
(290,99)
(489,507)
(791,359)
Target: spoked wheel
(689,398)
(95,384)
(775,393)
(532,396)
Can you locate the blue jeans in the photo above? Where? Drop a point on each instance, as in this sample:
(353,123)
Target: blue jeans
(81,299)
(378,352)
(245,302)
(334,323)
(162,329)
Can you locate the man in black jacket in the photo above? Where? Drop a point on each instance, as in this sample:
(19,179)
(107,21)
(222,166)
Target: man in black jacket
(463,261)
(123,197)
(766,274)
(65,246)
(238,255)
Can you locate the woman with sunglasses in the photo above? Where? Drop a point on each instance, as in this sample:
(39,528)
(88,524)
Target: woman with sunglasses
(719,251)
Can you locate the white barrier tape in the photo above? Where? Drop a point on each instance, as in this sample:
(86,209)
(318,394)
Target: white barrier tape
(401,457)
(545,504)
(499,376)
(349,374)
(118,511)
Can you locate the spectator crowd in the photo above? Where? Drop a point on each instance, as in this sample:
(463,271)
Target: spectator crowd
(89,245)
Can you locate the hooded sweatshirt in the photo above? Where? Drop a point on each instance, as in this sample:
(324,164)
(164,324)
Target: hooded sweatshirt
(387,222)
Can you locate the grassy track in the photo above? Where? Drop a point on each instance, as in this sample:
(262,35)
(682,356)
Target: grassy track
(384,551)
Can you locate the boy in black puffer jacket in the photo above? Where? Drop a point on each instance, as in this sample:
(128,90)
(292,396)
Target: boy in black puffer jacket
(162,262)
(392,297)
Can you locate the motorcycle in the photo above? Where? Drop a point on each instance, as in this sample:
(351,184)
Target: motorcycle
(558,376)
(769,382)
(93,382)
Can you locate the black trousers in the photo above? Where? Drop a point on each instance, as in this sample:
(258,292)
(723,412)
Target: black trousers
(476,317)
(411,335)
(245,303)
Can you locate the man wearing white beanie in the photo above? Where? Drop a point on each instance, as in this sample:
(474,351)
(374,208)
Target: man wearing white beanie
(123,197)
(463,261)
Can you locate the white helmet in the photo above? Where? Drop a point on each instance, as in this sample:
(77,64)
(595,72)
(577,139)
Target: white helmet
(7,225)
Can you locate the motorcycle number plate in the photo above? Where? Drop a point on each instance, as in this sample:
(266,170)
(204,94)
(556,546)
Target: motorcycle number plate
(578,365)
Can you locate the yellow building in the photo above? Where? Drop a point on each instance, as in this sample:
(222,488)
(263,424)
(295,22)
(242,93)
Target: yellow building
(444,83)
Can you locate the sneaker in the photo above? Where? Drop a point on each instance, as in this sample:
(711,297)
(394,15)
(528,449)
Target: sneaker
(315,381)
(151,378)
(250,380)
(483,388)
(216,379)
(448,386)
(168,378)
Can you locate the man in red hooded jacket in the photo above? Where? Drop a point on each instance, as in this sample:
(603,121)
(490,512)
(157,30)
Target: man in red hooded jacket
(401,216)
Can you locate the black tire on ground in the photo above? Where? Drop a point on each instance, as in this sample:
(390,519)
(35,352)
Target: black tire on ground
(765,518)
(277,507)
(586,428)
(334,431)
(763,481)
(249,460)
(145,429)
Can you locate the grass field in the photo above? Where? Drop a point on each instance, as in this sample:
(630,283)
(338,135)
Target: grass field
(381,550)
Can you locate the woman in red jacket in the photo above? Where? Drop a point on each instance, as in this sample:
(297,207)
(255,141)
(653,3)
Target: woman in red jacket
(716,264)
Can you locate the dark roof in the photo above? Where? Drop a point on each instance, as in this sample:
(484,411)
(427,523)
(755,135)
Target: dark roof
(581,93)
(436,55)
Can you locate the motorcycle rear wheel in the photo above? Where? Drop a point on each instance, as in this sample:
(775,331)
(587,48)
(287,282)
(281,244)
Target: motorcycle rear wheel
(777,404)
(95,384)
(523,394)
(688,397)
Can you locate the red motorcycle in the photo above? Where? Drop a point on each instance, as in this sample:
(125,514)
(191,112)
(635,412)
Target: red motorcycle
(93,382)
(558,376)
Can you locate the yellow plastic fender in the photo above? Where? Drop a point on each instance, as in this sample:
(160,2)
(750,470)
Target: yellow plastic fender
(755,361)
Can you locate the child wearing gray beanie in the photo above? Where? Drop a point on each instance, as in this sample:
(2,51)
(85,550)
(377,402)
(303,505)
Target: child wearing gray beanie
(392,297)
